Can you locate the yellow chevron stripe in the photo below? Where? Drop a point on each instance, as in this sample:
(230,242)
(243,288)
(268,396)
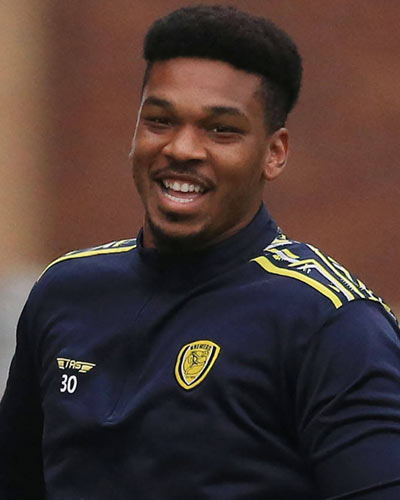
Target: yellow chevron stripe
(290,254)
(324,290)
(341,269)
(337,272)
(87,253)
(325,272)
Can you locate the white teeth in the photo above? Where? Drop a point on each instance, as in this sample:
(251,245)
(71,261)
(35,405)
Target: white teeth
(180,200)
(182,188)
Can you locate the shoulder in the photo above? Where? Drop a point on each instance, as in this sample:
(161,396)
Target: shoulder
(304,264)
(103,255)
(78,276)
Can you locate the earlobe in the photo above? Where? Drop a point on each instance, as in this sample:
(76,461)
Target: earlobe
(276,155)
(132,150)
(273,169)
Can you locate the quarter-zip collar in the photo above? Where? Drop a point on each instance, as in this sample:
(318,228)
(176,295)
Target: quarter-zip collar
(198,267)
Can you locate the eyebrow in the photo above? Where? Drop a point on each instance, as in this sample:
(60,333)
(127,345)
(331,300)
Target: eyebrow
(215,110)
(225,110)
(156,101)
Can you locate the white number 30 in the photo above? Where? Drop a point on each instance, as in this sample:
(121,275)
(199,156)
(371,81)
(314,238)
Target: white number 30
(68,383)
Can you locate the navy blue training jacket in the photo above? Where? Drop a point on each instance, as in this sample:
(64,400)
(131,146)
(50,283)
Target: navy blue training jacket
(259,369)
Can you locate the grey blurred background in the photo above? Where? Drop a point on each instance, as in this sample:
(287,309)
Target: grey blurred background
(69,89)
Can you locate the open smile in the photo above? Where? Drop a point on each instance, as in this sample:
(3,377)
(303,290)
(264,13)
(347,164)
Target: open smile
(183,192)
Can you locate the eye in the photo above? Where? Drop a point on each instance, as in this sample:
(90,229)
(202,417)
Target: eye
(225,133)
(225,129)
(157,123)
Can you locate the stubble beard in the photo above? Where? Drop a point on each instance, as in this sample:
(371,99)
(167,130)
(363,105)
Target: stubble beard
(174,243)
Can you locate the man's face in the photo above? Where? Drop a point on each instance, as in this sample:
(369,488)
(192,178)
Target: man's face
(201,152)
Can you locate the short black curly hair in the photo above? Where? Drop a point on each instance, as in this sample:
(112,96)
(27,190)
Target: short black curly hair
(247,42)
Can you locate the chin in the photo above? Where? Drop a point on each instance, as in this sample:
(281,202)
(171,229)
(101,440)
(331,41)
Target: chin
(179,241)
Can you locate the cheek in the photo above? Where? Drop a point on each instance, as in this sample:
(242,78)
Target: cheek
(146,144)
(143,154)
(140,153)
(137,178)
(240,167)
(139,170)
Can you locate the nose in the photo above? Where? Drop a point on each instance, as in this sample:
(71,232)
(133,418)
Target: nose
(185,144)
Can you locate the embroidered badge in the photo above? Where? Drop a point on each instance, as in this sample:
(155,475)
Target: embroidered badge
(69,382)
(73,364)
(194,362)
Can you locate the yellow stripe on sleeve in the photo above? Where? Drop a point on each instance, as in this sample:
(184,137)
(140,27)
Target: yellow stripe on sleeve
(324,290)
(349,282)
(87,253)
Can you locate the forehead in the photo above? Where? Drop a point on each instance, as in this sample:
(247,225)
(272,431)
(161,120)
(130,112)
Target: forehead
(203,81)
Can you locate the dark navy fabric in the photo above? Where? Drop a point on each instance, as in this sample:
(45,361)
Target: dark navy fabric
(302,403)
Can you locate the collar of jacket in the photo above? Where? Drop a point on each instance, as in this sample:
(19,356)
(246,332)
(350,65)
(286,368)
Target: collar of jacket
(197,267)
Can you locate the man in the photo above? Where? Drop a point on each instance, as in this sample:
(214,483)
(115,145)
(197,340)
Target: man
(213,357)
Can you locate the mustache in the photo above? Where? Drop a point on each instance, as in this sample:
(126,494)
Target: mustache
(188,168)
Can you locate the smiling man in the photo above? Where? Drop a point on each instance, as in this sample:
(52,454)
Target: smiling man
(202,152)
(212,357)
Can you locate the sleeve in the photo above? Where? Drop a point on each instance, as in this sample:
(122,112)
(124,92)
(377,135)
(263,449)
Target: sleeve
(21,423)
(348,405)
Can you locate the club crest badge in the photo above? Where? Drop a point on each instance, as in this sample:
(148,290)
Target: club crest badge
(194,362)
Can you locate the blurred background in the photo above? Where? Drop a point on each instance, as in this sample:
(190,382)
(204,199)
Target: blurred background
(71,74)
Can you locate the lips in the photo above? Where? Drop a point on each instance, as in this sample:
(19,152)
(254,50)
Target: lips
(181,192)
(182,188)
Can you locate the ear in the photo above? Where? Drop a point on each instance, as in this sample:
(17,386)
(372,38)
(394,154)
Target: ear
(132,150)
(277,154)
(133,143)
